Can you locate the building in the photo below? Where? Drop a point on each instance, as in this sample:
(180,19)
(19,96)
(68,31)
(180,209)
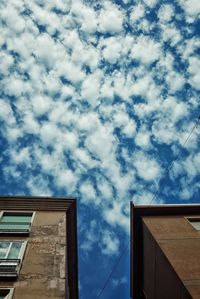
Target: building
(38,248)
(165,252)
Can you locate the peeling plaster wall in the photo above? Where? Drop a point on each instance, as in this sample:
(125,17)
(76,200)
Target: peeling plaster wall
(43,270)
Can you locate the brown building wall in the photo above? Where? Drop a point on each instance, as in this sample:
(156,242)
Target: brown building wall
(44,265)
(149,254)
(172,246)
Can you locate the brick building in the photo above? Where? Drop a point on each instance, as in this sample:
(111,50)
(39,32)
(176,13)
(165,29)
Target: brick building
(165,252)
(38,248)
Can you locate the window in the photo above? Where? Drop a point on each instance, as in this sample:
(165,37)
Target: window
(6,293)
(11,254)
(195,222)
(12,222)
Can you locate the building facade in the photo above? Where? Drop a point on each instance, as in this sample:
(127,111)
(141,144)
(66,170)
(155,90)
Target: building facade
(38,248)
(165,252)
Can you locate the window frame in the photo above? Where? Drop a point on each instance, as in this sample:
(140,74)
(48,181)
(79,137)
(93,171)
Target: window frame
(19,259)
(17,213)
(192,219)
(144,296)
(10,294)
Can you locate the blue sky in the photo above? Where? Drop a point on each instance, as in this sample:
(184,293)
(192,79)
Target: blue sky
(97,99)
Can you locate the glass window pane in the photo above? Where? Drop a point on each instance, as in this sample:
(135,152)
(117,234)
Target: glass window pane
(15,222)
(4,249)
(15,250)
(14,226)
(16,218)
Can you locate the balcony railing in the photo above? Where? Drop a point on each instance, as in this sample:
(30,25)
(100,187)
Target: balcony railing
(9,267)
(17,227)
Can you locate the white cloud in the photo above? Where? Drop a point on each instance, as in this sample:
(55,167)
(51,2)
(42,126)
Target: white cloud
(175,81)
(141,86)
(147,168)
(41,104)
(88,193)
(111,20)
(88,122)
(12,172)
(6,113)
(150,3)
(21,156)
(105,188)
(46,18)
(13,19)
(91,236)
(30,125)
(164,131)
(122,86)
(70,140)
(83,55)
(171,34)
(52,84)
(43,43)
(123,121)
(120,117)
(67,180)
(39,186)
(190,167)
(6,61)
(115,216)
(129,129)
(146,50)
(12,134)
(110,243)
(121,182)
(48,162)
(137,13)
(107,90)
(49,134)
(188,47)
(59,111)
(192,9)
(176,110)
(90,57)
(86,16)
(90,88)
(166,13)
(69,71)
(142,138)
(101,143)
(16,88)
(83,156)
(112,49)
(194,65)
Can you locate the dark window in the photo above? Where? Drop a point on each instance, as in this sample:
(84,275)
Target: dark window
(6,293)
(195,222)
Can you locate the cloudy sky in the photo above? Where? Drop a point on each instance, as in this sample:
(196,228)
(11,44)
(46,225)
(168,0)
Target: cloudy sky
(97,100)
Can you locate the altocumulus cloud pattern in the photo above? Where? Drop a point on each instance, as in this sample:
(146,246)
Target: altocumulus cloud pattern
(96,100)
